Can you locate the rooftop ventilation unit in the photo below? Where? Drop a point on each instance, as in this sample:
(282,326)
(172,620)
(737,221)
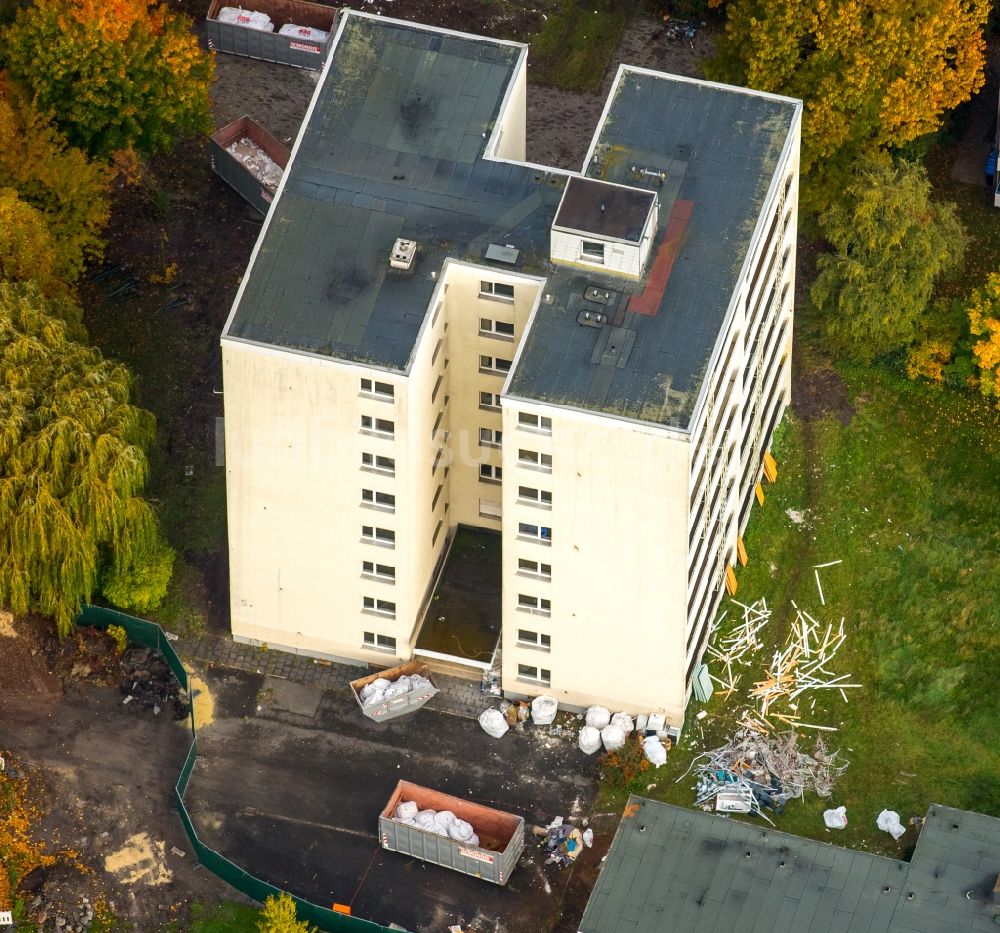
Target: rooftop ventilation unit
(402,255)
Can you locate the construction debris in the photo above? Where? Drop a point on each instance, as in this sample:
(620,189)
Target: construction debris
(799,667)
(753,772)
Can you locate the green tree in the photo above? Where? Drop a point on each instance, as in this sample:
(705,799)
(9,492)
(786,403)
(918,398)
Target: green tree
(72,463)
(890,244)
(278,916)
(873,74)
(112,73)
(59,182)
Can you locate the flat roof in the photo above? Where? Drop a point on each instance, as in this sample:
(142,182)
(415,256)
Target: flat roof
(672,870)
(596,207)
(395,146)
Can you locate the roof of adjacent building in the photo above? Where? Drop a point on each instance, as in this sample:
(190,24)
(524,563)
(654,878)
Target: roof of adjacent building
(672,870)
(394,146)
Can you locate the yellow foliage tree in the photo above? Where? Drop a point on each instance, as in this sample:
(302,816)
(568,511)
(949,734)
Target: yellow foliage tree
(279,916)
(26,248)
(58,181)
(112,73)
(984,321)
(873,74)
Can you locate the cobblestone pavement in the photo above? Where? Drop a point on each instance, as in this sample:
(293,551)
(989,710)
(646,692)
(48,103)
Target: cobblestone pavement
(457,696)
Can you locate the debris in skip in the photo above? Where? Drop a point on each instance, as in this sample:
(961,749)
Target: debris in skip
(753,772)
(257,161)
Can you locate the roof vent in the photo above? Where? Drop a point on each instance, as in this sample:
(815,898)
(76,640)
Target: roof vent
(402,255)
(591,318)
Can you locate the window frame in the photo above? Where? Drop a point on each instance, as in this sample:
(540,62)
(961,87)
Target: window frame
(534,605)
(538,499)
(377,464)
(377,390)
(371,570)
(375,642)
(376,499)
(542,423)
(491,365)
(490,437)
(374,605)
(542,676)
(490,473)
(533,568)
(540,641)
(497,291)
(380,537)
(594,254)
(378,427)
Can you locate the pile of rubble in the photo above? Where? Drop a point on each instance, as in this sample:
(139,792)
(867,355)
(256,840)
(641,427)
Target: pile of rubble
(148,682)
(754,772)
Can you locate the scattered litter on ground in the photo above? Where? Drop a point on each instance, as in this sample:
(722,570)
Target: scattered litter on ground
(888,821)
(563,843)
(835,818)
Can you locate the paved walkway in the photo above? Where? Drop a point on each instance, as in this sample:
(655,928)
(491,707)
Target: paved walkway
(457,696)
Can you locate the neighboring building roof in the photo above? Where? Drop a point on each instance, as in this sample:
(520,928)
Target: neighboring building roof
(393,147)
(672,870)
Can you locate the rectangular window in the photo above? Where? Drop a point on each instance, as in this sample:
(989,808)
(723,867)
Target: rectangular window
(381,390)
(437,350)
(378,500)
(437,460)
(537,674)
(496,290)
(383,571)
(534,568)
(437,531)
(535,460)
(533,496)
(489,437)
(538,423)
(592,252)
(380,642)
(489,509)
(380,426)
(534,604)
(489,400)
(437,495)
(489,473)
(437,423)
(378,464)
(434,391)
(529,639)
(490,328)
(535,532)
(382,607)
(381,536)
(494,364)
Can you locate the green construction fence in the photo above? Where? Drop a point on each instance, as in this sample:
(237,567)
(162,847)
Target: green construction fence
(150,635)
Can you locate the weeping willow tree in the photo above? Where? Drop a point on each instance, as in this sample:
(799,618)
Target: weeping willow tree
(72,465)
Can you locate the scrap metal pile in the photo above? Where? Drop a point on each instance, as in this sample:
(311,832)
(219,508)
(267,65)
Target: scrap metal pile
(753,772)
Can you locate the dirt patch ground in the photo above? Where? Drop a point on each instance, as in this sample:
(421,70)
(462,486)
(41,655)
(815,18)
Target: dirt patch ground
(104,774)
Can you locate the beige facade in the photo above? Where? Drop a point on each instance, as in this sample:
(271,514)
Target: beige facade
(347,481)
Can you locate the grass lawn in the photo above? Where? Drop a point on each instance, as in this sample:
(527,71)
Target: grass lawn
(573,50)
(906,496)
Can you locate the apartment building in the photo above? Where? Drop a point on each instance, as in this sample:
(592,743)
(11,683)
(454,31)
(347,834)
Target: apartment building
(433,332)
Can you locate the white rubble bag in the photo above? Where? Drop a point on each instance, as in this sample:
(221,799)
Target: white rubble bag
(589,740)
(247,18)
(888,820)
(623,720)
(655,753)
(613,737)
(835,818)
(543,710)
(303,32)
(407,810)
(460,830)
(598,716)
(369,690)
(425,819)
(493,723)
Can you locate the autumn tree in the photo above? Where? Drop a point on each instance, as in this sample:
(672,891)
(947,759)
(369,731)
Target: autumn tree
(54,183)
(984,322)
(873,74)
(27,251)
(112,73)
(279,916)
(72,464)
(890,243)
